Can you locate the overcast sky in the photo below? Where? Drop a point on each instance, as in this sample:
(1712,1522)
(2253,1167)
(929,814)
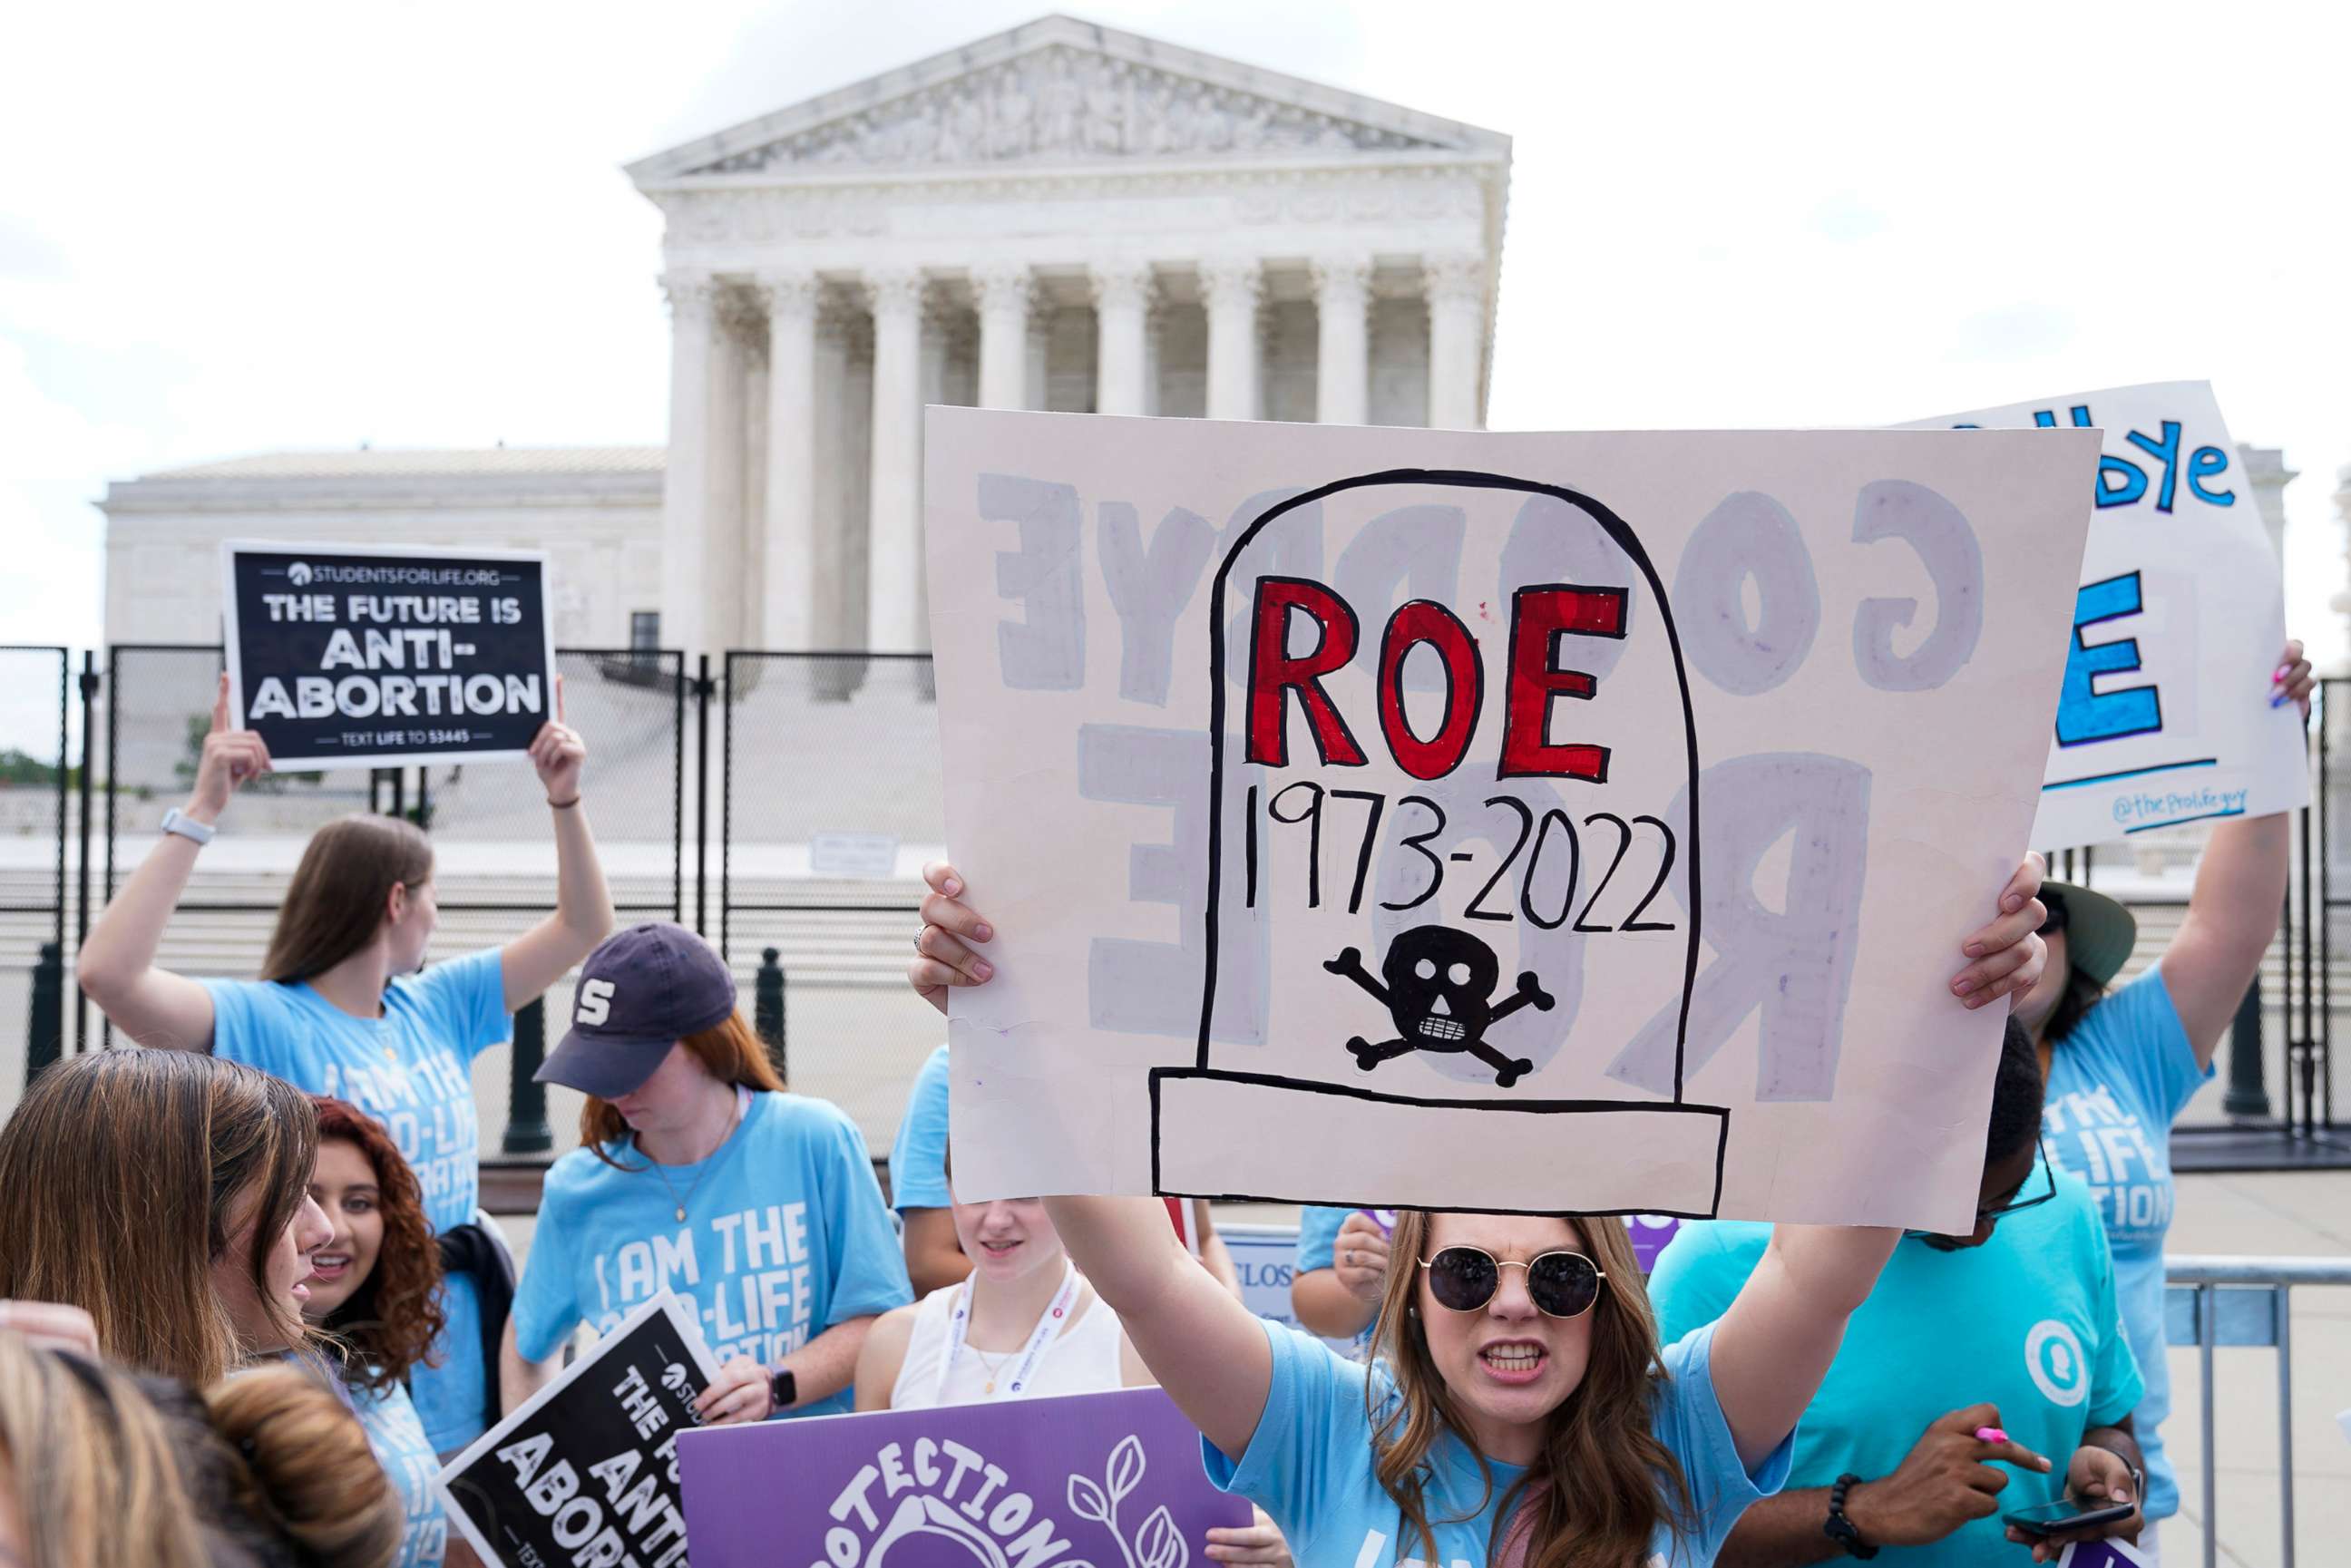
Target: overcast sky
(235,228)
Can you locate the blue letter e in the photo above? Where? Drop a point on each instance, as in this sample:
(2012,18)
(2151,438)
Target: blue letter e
(2085,714)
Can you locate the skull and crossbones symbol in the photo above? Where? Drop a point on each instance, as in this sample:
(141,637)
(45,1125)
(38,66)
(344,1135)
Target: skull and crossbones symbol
(1439,985)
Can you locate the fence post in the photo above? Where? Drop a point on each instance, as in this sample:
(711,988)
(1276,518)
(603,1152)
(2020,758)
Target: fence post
(702,690)
(81,898)
(527,1129)
(44,1040)
(768,1007)
(2248,1095)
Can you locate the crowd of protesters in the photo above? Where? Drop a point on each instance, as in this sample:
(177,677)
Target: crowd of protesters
(249,1303)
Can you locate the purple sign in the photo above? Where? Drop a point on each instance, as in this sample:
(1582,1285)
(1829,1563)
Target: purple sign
(1650,1232)
(1113,1479)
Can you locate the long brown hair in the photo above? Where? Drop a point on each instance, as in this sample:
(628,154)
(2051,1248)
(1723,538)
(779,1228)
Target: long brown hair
(335,905)
(1607,1482)
(94,1466)
(389,1323)
(729,1049)
(123,1171)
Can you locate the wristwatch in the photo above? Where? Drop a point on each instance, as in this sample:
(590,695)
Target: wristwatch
(178,821)
(1840,1529)
(783,1387)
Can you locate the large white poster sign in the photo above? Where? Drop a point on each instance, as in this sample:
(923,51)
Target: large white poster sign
(2165,715)
(1400,817)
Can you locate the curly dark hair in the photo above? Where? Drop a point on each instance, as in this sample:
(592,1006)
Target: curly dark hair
(389,1322)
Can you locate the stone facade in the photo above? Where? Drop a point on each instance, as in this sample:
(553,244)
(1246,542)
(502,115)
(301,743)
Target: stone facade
(1061,217)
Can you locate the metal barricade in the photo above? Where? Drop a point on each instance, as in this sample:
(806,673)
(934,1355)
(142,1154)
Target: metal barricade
(2215,1302)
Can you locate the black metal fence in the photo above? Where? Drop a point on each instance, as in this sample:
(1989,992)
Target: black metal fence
(36,783)
(830,799)
(822,786)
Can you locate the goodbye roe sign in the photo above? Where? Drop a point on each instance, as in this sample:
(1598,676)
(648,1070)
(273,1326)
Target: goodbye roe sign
(1402,817)
(2177,628)
(380,657)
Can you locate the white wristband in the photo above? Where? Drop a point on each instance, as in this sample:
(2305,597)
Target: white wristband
(178,821)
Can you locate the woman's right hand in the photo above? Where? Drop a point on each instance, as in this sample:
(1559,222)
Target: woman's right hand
(231,757)
(943,957)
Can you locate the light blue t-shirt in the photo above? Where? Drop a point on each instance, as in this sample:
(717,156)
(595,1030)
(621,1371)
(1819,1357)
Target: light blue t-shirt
(918,1156)
(2028,1323)
(1309,1465)
(785,1235)
(412,1070)
(407,1457)
(2115,1084)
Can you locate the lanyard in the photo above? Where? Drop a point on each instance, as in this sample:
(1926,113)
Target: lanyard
(1047,1326)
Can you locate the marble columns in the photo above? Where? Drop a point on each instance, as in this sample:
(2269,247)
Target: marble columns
(1231,287)
(1343,369)
(894,621)
(1121,316)
(1456,314)
(686,561)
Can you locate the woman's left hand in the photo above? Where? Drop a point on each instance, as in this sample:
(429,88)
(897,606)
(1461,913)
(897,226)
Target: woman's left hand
(1259,1543)
(2292,681)
(2008,954)
(559,753)
(739,1393)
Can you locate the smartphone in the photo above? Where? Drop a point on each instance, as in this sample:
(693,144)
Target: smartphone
(2067,1514)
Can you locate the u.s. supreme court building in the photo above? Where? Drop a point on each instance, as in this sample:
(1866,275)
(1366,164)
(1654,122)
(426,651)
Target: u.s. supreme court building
(1061,217)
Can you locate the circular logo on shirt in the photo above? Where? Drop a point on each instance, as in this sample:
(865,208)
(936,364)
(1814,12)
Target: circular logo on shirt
(2053,1358)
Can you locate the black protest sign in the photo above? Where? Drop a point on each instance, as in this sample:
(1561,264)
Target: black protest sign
(382,657)
(585,1474)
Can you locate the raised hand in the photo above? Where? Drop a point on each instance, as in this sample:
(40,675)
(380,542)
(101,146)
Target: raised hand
(2292,681)
(942,956)
(559,753)
(230,759)
(2008,953)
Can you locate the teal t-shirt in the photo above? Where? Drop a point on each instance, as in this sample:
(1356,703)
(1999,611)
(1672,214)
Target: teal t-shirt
(412,1070)
(2028,1322)
(918,1156)
(1309,1465)
(407,1458)
(2115,1085)
(785,1235)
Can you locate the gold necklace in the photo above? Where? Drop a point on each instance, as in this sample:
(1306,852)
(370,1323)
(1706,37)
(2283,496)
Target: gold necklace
(705,1160)
(991,1367)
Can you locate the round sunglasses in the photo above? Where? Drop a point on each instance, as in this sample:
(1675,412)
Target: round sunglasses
(1560,1284)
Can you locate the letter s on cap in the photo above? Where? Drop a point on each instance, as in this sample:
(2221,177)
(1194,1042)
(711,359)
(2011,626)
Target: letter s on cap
(595,1002)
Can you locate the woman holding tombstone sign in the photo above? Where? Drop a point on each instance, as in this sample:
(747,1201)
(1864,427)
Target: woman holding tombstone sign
(2121,1065)
(1519,1408)
(698,1172)
(345,1006)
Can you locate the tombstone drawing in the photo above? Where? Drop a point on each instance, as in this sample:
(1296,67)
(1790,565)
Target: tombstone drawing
(1487,790)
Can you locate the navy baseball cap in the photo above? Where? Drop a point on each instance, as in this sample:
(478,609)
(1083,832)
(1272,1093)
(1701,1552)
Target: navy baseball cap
(640,992)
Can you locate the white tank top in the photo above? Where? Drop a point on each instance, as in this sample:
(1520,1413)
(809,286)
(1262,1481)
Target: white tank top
(1083,1359)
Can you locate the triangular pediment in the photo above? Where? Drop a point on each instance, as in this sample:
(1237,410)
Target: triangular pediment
(1062,92)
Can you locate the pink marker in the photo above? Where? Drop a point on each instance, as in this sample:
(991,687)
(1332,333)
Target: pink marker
(1990,1435)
